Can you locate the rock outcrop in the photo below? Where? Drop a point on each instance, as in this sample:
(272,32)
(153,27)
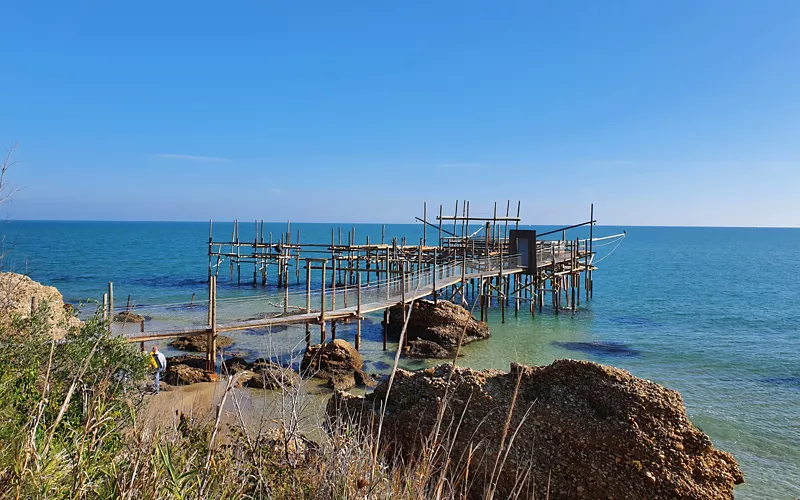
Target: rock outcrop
(235,364)
(338,362)
(577,430)
(186,370)
(199,343)
(18,292)
(129,317)
(178,374)
(266,374)
(441,324)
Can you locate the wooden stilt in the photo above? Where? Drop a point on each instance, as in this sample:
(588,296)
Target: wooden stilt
(322,309)
(110,306)
(385,327)
(308,303)
(358,313)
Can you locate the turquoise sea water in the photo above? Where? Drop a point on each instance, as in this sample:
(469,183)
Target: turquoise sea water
(710,312)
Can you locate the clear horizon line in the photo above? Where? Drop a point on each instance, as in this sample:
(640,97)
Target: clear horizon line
(195,221)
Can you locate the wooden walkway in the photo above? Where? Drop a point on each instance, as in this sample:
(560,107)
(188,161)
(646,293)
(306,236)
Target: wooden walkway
(412,293)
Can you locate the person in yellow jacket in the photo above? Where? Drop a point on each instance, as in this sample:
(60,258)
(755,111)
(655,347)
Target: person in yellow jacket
(159,362)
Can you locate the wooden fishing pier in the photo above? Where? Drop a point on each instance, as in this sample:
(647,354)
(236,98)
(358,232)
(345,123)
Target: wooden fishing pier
(488,261)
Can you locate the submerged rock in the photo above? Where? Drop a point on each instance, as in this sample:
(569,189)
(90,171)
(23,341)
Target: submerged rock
(599,348)
(270,375)
(338,362)
(199,343)
(577,430)
(442,324)
(129,317)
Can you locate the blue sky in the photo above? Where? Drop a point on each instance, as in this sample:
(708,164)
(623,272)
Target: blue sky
(660,113)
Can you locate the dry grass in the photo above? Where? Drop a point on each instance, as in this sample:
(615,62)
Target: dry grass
(82,439)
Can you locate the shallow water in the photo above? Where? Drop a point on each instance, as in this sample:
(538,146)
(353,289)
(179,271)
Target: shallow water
(709,312)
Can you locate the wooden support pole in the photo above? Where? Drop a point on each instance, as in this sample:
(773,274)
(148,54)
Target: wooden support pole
(105,307)
(388,276)
(333,330)
(297,259)
(333,283)
(322,309)
(210,299)
(403,290)
(385,327)
(358,313)
(425,222)
(308,303)
(501,298)
(211,338)
(455,219)
(210,245)
(434,273)
(590,289)
(368,259)
(110,306)
(419,264)
(481,299)
(441,243)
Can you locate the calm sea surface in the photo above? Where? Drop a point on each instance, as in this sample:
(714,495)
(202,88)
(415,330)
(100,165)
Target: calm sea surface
(711,312)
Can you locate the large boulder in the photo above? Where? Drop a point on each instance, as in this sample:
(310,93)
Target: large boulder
(199,343)
(185,370)
(266,374)
(18,292)
(235,364)
(338,362)
(442,324)
(178,374)
(577,430)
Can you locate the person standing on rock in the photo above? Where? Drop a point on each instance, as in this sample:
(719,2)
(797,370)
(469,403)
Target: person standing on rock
(160,362)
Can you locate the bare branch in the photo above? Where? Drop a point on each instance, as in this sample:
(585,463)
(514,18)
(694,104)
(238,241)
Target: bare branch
(7,164)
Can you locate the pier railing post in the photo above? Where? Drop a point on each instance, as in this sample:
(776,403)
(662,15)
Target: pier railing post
(110,306)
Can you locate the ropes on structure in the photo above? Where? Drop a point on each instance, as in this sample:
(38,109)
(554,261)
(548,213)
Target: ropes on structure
(615,240)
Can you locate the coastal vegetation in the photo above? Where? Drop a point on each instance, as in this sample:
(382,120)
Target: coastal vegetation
(73,425)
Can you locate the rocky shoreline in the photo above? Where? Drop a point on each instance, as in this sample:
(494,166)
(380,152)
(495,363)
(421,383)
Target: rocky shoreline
(571,429)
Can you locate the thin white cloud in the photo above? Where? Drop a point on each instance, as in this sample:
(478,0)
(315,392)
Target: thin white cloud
(166,156)
(612,162)
(459,165)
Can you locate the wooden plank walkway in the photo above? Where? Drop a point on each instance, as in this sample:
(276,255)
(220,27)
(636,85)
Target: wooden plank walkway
(314,317)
